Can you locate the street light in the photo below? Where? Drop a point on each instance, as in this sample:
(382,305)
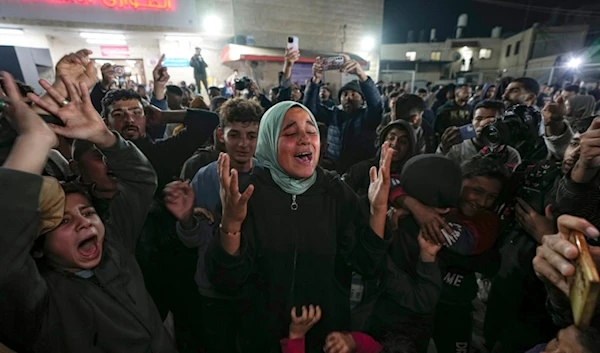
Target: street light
(368,43)
(574,63)
(212,24)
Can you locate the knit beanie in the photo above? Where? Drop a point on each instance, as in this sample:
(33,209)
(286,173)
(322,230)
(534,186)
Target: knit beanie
(433,180)
(351,86)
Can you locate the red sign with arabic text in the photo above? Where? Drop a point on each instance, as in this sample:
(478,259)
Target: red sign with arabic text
(114,51)
(139,5)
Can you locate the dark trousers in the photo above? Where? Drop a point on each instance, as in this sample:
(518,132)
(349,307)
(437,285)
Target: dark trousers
(220,321)
(201,79)
(453,328)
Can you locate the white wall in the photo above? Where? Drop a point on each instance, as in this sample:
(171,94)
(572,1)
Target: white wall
(25,40)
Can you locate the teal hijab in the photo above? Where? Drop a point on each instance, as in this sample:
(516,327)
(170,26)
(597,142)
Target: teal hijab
(266,148)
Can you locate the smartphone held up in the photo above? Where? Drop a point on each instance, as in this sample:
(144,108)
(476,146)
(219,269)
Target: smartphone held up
(293,44)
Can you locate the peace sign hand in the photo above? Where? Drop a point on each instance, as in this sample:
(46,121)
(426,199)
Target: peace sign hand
(235,204)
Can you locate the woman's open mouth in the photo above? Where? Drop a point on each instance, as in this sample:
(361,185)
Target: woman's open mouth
(89,248)
(304,158)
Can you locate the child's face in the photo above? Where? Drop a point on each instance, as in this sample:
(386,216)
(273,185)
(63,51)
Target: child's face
(77,242)
(565,342)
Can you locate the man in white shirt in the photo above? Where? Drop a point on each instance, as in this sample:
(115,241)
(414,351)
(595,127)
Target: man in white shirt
(453,147)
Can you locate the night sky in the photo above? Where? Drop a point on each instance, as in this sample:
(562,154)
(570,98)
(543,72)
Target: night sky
(400,16)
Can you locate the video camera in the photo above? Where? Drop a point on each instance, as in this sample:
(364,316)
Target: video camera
(518,127)
(242,83)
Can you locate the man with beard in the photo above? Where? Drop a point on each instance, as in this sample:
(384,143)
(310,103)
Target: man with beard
(167,265)
(351,129)
(555,130)
(455,112)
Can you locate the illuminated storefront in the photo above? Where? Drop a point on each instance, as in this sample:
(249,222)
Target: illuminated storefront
(129,33)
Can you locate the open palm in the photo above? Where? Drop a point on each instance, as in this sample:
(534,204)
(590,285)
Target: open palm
(81,121)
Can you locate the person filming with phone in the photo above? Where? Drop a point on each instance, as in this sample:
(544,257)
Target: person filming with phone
(351,129)
(463,143)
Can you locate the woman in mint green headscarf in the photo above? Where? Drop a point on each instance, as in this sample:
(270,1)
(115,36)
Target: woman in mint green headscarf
(295,235)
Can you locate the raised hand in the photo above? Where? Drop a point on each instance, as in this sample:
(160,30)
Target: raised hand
(81,120)
(532,222)
(161,78)
(449,138)
(317,70)
(291,56)
(300,325)
(78,67)
(339,342)
(353,67)
(234,203)
(554,112)
(179,199)
(24,120)
(379,188)
(590,146)
(429,249)
(553,259)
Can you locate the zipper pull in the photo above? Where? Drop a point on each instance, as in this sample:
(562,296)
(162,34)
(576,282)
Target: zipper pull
(294,205)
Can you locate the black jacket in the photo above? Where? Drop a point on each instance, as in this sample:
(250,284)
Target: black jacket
(55,311)
(293,258)
(451,114)
(357,177)
(168,156)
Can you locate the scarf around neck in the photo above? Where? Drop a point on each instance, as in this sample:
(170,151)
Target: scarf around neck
(266,148)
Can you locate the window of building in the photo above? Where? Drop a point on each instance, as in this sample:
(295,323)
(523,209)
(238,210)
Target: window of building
(508,49)
(485,54)
(411,55)
(517,47)
(436,55)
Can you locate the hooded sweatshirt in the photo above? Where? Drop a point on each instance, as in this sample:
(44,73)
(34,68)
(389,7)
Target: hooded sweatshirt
(358,177)
(580,107)
(298,247)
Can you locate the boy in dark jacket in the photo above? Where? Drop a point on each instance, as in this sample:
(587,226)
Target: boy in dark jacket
(87,292)
(402,139)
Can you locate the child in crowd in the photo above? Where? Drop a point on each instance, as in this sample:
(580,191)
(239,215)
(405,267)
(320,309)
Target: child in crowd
(336,342)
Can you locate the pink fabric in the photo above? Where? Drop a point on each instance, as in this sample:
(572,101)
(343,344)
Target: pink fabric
(292,346)
(365,343)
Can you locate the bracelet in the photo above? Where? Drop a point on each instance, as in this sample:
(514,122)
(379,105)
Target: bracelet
(231,234)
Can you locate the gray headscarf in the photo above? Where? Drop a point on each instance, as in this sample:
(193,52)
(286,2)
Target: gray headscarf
(580,106)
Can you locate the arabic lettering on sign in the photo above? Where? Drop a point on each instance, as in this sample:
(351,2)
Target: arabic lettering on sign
(157,5)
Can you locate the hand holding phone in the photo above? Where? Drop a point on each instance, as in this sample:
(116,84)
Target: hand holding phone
(293,44)
(332,63)
(585,286)
(467,132)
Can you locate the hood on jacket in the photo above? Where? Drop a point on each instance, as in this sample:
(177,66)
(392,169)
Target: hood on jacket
(402,125)
(580,107)
(485,90)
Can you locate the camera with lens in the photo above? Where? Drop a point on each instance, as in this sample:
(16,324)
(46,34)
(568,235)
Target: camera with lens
(518,127)
(242,83)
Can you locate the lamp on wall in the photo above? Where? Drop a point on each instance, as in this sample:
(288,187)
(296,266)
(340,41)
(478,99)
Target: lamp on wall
(367,43)
(213,24)
(574,63)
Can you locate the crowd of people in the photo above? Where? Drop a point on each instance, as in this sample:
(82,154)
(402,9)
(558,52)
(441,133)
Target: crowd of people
(288,221)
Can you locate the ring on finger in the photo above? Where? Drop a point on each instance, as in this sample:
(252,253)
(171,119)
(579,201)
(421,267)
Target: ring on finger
(3,104)
(65,102)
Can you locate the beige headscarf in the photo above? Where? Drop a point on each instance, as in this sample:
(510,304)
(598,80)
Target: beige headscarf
(51,205)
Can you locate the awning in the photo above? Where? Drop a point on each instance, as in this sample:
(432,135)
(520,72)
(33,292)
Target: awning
(236,52)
